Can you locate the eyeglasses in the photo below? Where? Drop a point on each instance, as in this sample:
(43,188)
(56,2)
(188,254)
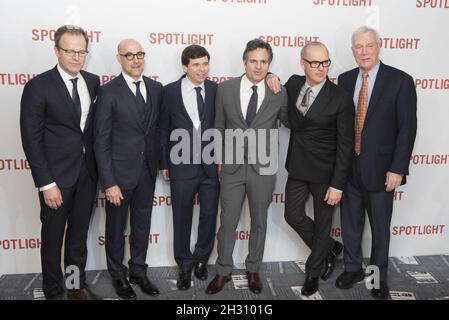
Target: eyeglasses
(316,64)
(130,56)
(73,53)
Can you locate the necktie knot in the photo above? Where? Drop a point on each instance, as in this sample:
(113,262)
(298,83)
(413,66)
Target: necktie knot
(365,76)
(198,89)
(254,89)
(137,83)
(74,81)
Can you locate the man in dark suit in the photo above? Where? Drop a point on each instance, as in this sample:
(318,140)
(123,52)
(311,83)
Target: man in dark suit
(189,105)
(56,126)
(385,130)
(246,105)
(321,117)
(127,152)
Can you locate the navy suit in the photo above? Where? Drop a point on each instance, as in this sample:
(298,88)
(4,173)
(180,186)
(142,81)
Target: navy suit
(58,151)
(387,142)
(127,152)
(188,179)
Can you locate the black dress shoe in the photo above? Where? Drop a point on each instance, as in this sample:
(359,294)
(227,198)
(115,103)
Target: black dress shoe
(145,285)
(82,294)
(329,262)
(310,286)
(382,293)
(184,280)
(254,283)
(201,270)
(347,279)
(123,288)
(217,284)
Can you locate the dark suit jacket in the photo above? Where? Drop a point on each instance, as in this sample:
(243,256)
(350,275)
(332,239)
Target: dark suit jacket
(122,138)
(174,116)
(321,143)
(51,135)
(389,131)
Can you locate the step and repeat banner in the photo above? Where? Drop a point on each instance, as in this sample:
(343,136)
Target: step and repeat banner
(414,37)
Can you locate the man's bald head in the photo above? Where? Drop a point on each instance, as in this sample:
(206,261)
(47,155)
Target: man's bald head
(131,57)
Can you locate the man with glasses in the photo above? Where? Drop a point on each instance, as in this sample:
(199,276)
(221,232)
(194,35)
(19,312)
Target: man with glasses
(57,137)
(385,131)
(127,153)
(321,117)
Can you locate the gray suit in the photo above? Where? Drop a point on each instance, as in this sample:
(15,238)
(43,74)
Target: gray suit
(247,178)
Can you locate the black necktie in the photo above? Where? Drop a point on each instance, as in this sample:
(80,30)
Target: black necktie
(140,100)
(199,101)
(76,98)
(252,107)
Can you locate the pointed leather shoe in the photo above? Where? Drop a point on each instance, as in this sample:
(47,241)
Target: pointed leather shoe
(201,270)
(184,280)
(82,294)
(254,283)
(145,285)
(123,288)
(217,284)
(329,262)
(348,279)
(310,286)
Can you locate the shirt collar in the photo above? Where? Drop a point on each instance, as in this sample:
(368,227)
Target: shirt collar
(130,81)
(247,85)
(316,88)
(373,72)
(65,76)
(189,85)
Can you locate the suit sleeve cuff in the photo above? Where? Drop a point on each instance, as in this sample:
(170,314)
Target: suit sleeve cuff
(48,186)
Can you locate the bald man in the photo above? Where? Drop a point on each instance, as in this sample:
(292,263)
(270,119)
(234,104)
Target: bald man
(127,153)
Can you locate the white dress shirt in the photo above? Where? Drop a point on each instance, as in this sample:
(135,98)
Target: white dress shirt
(246,91)
(190,102)
(132,86)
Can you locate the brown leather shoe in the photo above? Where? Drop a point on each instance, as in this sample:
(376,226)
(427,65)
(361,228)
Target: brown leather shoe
(82,294)
(254,283)
(217,284)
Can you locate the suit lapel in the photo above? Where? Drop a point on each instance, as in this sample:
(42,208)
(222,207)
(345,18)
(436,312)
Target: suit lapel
(265,102)
(178,89)
(90,88)
(297,91)
(209,104)
(150,99)
(65,96)
(237,104)
(131,98)
(320,102)
(379,85)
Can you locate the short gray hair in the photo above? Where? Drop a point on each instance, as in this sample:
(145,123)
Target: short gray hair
(312,44)
(362,30)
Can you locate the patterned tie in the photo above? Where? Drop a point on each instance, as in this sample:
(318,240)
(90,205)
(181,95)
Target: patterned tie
(362,107)
(252,107)
(304,106)
(140,100)
(76,98)
(199,101)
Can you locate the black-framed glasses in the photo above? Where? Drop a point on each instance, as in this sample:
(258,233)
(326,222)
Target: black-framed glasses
(73,53)
(130,56)
(316,64)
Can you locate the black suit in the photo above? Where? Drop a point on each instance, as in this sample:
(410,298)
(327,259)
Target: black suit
(127,152)
(387,142)
(58,151)
(319,156)
(188,179)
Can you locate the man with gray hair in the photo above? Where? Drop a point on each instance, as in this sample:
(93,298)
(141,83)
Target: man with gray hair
(56,115)
(321,117)
(385,130)
(127,153)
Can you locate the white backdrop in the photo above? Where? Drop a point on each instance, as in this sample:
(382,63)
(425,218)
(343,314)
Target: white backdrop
(413,39)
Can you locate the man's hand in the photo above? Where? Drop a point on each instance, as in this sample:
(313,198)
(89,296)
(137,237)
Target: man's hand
(332,197)
(53,197)
(273,83)
(165,174)
(393,180)
(114,195)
